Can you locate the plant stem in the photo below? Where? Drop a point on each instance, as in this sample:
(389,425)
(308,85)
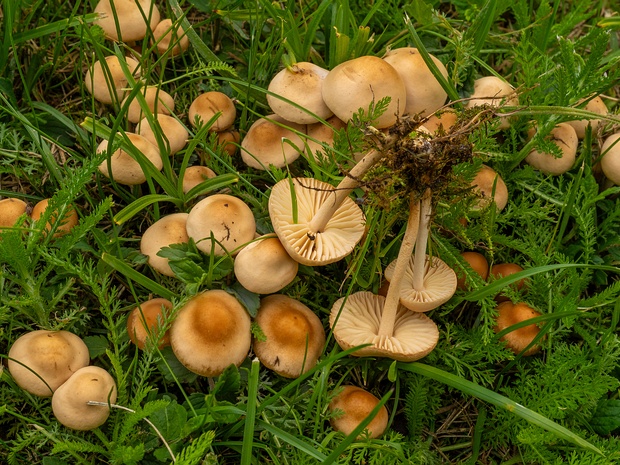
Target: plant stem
(419,260)
(390,307)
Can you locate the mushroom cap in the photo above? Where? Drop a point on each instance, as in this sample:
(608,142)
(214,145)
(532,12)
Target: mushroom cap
(211,332)
(446,119)
(173,132)
(610,163)
(295,336)
(478,263)
(343,231)
(356,404)
(207,105)
(66,223)
(53,355)
(97,78)
(319,134)
(157,100)
(501,270)
(195,175)
(125,169)
(302,84)
(424,92)
(595,105)
(415,335)
(483,186)
(565,137)
(359,82)
(129,18)
(229,140)
(510,314)
(169,38)
(229,219)
(145,319)
(10,210)
(493,91)
(272,141)
(169,229)
(264,266)
(439,284)
(69,402)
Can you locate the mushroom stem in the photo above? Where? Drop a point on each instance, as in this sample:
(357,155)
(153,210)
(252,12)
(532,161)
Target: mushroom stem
(392,300)
(419,260)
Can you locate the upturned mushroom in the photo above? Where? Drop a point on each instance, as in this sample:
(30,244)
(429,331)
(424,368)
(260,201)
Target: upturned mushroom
(206,106)
(158,101)
(107,82)
(10,211)
(122,167)
(565,138)
(127,20)
(168,230)
(518,340)
(145,321)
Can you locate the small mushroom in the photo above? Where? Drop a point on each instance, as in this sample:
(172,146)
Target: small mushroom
(229,141)
(168,230)
(595,105)
(510,314)
(62,225)
(108,83)
(195,175)
(610,161)
(495,92)
(565,137)
(321,135)
(207,105)
(145,320)
(127,20)
(501,270)
(122,167)
(490,187)
(70,401)
(478,264)
(444,120)
(172,132)
(170,38)
(157,100)
(10,211)
(351,406)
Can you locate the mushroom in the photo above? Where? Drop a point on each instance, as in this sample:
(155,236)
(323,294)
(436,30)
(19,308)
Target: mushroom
(294,336)
(169,229)
(40,361)
(424,92)
(61,225)
(321,135)
(478,264)
(495,92)
(145,320)
(264,266)
(228,219)
(595,105)
(229,141)
(10,211)
(501,270)
(206,106)
(211,332)
(361,82)
(127,20)
(157,100)
(351,406)
(170,38)
(610,161)
(564,136)
(300,83)
(108,83)
(490,187)
(510,314)
(170,129)
(195,175)
(122,167)
(444,120)
(70,401)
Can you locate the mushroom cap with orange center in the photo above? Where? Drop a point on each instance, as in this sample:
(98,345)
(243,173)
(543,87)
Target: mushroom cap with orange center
(63,225)
(354,404)
(207,105)
(170,38)
(158,101)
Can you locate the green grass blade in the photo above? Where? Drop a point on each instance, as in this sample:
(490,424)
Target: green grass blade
(51,28)
(139,278)
(294,441)
(137,206)
(250,414)
(212,184)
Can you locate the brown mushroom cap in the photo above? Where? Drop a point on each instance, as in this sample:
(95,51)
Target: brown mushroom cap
(501,270)
(485,181)
(10,211)
(565,137)
(169,38)
(302,84)
(343,231)
(128,16)
(319,134)
(229,140)
(264,266)
(359,82)
(439,285)
(145,320)
(596,105)
(173,132)
(424,93)
(207,105)
(446,119)
(125,169)
(195,175)
(510,314)
(211,332)
(99,79)
(356,404)
(157,100)
(63,225)
(355,321)
(610,163)
(295,336)
(272,141)
(69,402)
(167,230)
(52,355)
(229,219)
(493,91)
(478,263)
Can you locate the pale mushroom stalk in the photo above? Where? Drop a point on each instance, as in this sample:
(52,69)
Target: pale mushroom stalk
(419,261)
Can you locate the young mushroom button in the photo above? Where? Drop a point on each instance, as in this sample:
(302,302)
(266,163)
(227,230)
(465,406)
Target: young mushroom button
(10,211)
(145,319)
(565,138)
(518,340)
(610,162)
(351,406)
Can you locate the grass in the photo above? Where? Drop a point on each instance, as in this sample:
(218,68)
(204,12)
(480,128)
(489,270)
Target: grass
(470,400)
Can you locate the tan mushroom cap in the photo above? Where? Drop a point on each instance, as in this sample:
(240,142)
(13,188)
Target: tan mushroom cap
(478,263)
(319,134)
(355,404)
(173,132)
(229,219)
(486,182)
(264,266)
(610,163)
(146,319)
(446,119)
(493,91)
(510,314)
(301,83)
(343,231)
(272,141)
(52,355)
(565,137)
(10,211)
(358,317)
(69,402)
(63,225)
(229,141)
(439,285)
(125,169)
(596,105)
(424,92)
(501,270)
(128,16)
(295,336)
(99,79)
(170,39)
(357,83)
(207,105)
(169,229)
(157,100)
(195,175)
(211,332)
